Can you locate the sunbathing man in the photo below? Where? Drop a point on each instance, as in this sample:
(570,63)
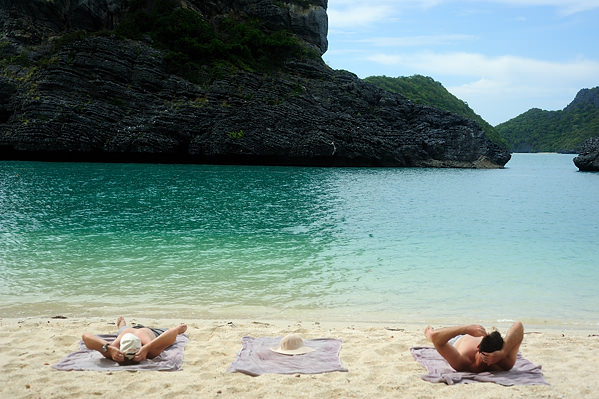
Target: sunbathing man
(145,342)
(470,348)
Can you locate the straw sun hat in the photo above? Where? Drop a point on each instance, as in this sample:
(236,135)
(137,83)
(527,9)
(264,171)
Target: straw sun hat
(292,344)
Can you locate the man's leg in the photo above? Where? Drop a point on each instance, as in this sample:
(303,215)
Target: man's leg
(511,345)
(160,343)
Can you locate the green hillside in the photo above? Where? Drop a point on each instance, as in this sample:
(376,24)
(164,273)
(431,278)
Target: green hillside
(537,130)
(425,90)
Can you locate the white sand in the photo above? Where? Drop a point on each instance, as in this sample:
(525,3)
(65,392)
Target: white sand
(377,356)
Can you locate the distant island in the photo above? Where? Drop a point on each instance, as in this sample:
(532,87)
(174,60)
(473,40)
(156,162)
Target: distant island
(217,81)
(563,131)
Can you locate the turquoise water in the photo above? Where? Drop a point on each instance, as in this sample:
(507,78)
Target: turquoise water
(358,244)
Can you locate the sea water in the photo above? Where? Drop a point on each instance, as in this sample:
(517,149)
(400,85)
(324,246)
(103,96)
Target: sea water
(350,244)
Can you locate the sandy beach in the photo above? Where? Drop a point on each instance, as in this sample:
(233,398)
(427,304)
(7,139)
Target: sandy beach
(376,355)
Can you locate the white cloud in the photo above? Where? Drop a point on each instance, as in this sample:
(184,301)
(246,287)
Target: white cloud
(359,15)
(503,68)
(344,13)
(419,41)
(517,83)
(352,13)
(497,102)
(565,7)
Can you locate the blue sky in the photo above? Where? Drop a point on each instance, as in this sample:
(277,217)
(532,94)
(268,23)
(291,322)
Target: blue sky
(502,57)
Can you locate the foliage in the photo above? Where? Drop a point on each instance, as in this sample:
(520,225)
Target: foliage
(21,59)
(537,130)
(191,42)
(235,134)
(425,90)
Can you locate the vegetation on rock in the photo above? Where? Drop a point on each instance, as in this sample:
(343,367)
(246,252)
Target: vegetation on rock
(537,130)
(191,43)
(425,90)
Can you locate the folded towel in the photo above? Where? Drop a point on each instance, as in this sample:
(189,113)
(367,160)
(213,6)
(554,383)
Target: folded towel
(170,359)
(523,372)
(255,357)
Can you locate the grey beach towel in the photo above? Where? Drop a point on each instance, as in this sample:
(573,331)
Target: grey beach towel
(523,372)
(170,359)
(256,358)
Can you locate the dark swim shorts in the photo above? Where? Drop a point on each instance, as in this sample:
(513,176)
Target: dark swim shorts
(157,331)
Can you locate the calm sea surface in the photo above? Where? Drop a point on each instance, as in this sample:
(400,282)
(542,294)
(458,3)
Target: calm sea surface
(372,244)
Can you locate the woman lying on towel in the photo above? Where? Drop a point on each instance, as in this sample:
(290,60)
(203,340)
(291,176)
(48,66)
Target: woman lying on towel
(134,344)
(470,348)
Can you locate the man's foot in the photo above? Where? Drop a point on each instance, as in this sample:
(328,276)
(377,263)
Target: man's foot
(120,322)
(428,331)
(182,328)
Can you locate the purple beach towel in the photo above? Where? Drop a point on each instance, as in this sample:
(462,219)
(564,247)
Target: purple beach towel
(86,359)
(523,372)
(256,358)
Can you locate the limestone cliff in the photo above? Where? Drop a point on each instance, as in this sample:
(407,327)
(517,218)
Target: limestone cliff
(588,159)
(82,96)
(306,19)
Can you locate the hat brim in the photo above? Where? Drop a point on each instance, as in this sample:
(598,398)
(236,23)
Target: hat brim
(299,351)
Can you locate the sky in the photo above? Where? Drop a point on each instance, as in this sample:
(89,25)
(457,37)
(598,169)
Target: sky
(503,57)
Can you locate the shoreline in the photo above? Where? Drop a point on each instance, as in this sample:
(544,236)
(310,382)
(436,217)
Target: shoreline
(376,355)
(247,313)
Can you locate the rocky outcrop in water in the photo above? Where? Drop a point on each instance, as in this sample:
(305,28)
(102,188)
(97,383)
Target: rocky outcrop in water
(103,98)
(588,159)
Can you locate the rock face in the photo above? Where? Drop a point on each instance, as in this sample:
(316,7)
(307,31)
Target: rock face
(32,21)
(108,99)
(585,97)
(588,160)
(307,19)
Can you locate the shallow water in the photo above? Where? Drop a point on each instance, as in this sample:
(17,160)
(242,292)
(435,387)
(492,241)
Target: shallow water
(359,244)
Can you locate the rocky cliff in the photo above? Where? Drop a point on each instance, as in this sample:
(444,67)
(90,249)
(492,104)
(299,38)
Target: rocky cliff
(66,94)
(585,98)
(307,19)
(588,159)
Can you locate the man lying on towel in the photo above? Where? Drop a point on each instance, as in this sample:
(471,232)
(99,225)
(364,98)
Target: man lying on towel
(470,348)
(134,344)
